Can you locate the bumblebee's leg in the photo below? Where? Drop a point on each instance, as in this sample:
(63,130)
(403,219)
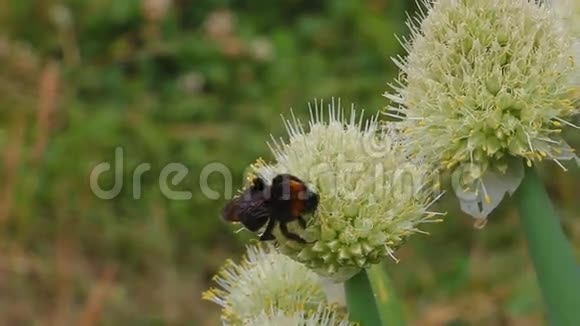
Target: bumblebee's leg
(290,235)
(267,234)
(302,222)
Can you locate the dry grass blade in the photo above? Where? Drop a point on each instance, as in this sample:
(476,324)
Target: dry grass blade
(46,107)
(98,295)
(12,158)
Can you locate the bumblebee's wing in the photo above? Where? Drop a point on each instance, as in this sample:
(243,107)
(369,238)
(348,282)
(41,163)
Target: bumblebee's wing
(253,214)
(230,212)
(251,211)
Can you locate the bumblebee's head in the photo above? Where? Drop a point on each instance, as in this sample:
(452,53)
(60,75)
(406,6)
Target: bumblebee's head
(310,201)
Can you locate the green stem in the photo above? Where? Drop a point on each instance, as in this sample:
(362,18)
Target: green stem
(389,307)
(372,300)
(360,301)
(551,253)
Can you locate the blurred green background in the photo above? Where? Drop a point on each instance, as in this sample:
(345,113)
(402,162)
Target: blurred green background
(198,82)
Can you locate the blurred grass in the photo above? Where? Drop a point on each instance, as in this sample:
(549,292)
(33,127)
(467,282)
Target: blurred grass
(195,83)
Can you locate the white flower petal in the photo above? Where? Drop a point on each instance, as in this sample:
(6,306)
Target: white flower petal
(484,194)
(564,152)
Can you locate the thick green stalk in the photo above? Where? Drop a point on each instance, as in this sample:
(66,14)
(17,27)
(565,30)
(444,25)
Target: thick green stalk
(360,301)
(388,305)
(371,299)
(551,253)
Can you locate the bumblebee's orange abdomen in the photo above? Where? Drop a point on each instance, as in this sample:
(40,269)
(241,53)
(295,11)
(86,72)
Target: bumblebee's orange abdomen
(297,190)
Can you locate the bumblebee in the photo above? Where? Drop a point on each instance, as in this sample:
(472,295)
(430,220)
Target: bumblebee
(286,199)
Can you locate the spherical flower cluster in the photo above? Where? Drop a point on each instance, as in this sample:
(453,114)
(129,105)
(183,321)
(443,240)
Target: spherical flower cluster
(322,316)
(262,281)
(372,195)
(486,81)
